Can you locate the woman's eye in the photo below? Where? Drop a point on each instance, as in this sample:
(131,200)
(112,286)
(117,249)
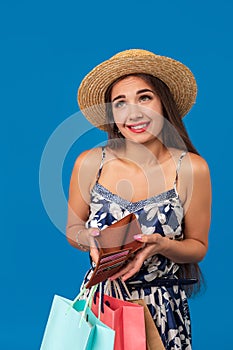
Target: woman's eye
(145,97)
(119,104)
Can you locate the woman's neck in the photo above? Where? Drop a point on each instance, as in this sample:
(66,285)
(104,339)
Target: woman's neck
(146,154)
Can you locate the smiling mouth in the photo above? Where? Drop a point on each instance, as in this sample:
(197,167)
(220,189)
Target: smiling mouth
(138,128)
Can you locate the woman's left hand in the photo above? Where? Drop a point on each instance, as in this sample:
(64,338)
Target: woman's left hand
(153,245)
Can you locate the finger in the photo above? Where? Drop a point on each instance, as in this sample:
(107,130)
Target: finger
(131,271)
(92,242)
(120,273)
(128,275)
(152,238)
(94,254)
(95,232)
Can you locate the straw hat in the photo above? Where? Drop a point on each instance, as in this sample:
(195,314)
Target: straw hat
(175,75)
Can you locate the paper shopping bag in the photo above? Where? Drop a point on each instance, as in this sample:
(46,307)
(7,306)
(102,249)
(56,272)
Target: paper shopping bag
(66,329)
(127,320)
(153,339)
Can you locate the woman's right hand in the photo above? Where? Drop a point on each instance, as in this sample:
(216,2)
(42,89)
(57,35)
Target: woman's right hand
(86,238)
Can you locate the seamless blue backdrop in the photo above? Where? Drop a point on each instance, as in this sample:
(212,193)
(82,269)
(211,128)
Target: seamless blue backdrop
(46,49)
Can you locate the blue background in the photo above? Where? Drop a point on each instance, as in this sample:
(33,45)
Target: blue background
(46,49)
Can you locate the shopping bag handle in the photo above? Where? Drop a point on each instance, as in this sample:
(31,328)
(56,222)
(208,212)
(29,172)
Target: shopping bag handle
(100,293)
(119,287)
(87,303)
(118,291)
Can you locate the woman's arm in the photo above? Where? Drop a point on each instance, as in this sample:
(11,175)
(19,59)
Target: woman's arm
(197,217)
(82,177)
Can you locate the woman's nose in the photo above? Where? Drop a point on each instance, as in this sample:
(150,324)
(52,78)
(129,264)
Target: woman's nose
(135,112)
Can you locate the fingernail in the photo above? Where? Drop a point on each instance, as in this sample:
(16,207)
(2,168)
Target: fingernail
(95,233)
(137,237)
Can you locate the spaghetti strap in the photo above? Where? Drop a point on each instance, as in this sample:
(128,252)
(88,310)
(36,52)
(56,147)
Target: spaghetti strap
(178,168)
(101,164)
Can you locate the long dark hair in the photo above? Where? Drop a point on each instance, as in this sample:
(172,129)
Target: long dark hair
(179,139)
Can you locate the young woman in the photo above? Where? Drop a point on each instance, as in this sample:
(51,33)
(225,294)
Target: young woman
(149,167)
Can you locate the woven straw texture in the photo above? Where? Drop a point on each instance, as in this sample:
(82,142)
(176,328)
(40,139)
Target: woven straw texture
(174,74)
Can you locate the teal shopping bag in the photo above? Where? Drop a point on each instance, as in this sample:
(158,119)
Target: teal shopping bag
(73,326)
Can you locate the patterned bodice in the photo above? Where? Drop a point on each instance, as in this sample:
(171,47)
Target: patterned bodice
(162,214)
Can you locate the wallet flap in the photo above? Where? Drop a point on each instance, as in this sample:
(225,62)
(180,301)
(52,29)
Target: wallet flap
(116,245)
(119,235)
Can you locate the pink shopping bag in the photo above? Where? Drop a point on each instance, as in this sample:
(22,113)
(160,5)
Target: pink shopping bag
(126,319)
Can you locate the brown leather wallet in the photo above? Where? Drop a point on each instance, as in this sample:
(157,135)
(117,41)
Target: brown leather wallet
(116,245)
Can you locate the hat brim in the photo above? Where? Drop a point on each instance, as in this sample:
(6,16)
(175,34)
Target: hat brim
(178,78)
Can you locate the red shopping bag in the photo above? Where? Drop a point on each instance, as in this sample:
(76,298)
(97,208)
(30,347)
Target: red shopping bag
(127,320)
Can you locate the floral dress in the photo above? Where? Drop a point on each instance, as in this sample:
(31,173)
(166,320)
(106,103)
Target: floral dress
(161,214)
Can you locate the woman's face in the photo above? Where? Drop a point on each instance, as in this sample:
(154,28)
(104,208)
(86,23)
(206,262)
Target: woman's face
(137,110)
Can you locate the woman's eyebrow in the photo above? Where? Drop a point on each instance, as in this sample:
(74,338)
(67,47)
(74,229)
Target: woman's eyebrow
(144,90)
(117,97)
(137,93)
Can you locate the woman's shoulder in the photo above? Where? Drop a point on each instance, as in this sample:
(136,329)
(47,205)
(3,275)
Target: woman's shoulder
(198,163)
(86,166)
(191,164)
(193,174)
(90,157)
(194,168)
